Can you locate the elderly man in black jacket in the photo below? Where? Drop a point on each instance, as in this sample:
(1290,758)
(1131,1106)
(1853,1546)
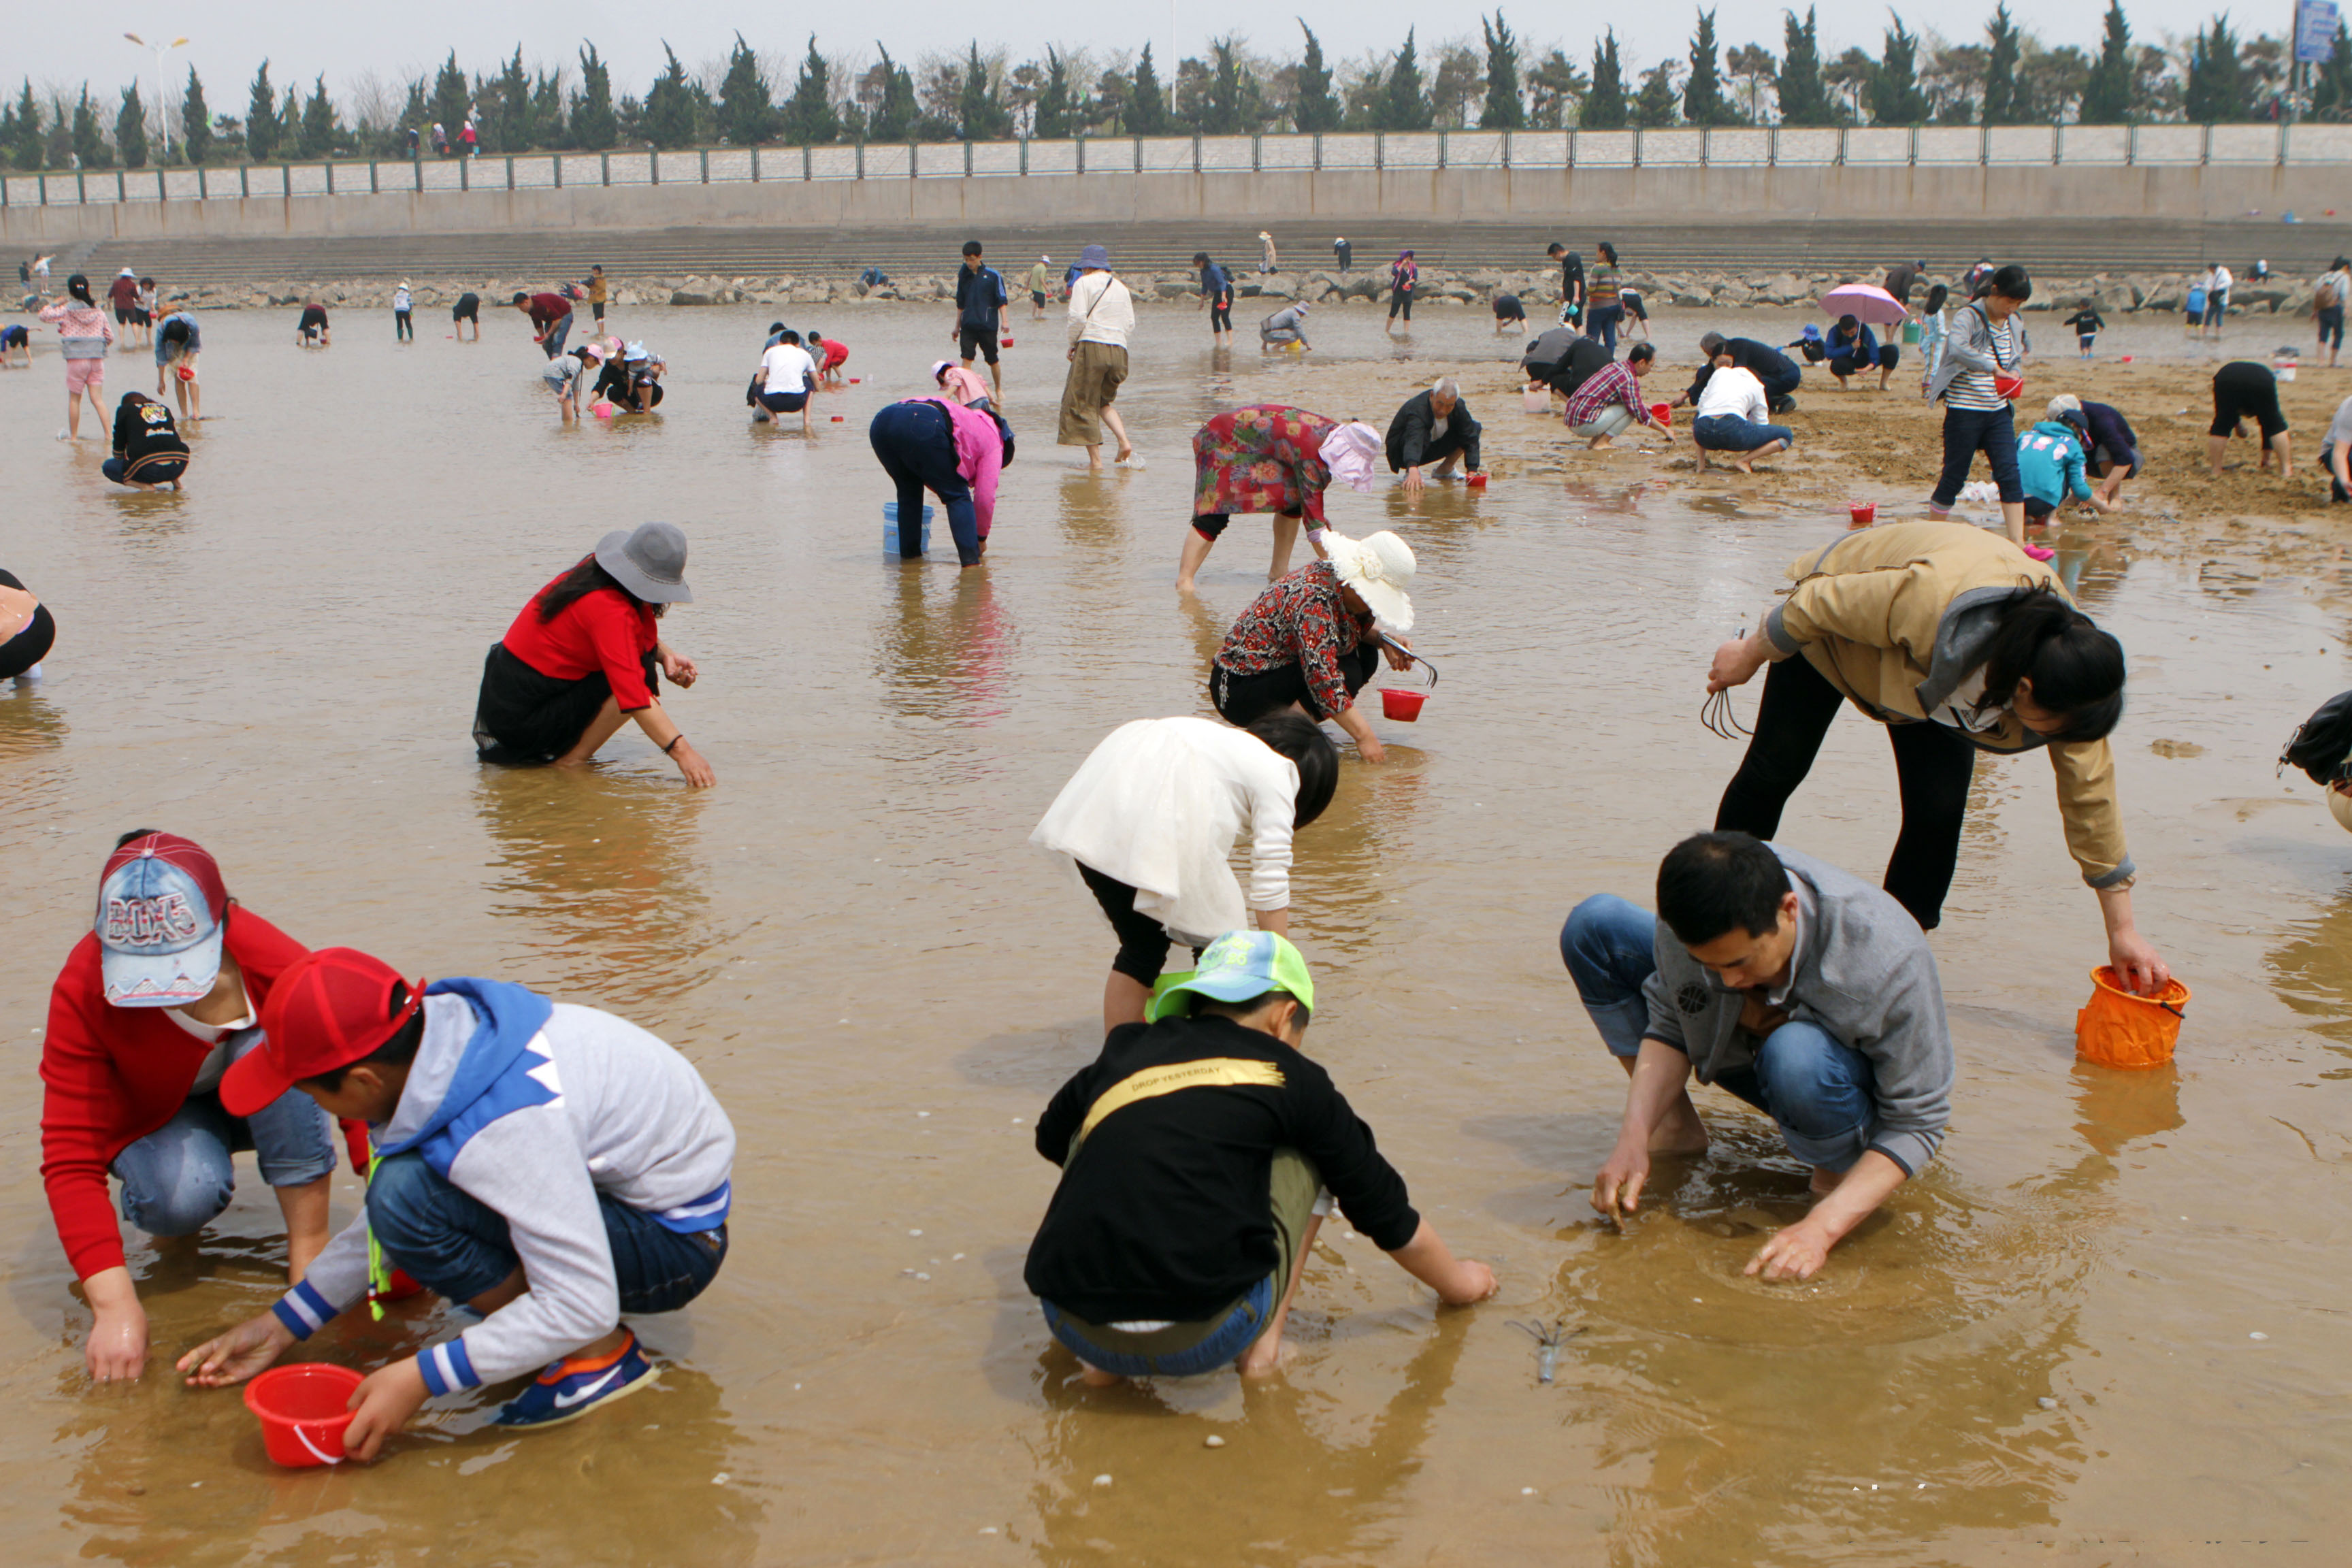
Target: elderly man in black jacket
(1432,429)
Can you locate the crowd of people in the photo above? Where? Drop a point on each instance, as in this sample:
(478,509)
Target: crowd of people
(1200,1151)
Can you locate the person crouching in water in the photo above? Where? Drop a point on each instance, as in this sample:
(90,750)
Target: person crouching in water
(148,451)
(1194,1151)
(1733,416)
(782,383)
(552,1167)
(1149,819)
(582,658)
(1312,640)
(1798,988)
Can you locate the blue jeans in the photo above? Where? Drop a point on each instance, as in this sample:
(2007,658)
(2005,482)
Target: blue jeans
(1600,324)
(179,1177)
(1821,1092)
(1233,1334)
(557,333)
(1966,432)
(458,1247)
(1730,433)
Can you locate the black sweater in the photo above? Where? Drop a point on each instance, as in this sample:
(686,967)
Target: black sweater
(1163,1212)
(145,430)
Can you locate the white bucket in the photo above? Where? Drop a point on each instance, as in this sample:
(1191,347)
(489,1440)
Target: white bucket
(1538,399)
(2283,369)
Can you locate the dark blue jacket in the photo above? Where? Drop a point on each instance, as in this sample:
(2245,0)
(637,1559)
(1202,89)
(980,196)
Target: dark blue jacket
(980,294)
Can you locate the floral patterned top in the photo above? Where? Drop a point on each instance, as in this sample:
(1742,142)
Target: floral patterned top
(1265,458)
(1300,620)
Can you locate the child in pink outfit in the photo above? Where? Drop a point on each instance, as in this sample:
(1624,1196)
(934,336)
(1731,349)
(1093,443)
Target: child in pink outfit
(85,334)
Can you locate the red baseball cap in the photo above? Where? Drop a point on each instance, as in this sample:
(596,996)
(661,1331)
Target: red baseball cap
(329,1009)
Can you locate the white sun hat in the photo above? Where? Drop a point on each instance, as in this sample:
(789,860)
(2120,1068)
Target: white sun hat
(1380,568)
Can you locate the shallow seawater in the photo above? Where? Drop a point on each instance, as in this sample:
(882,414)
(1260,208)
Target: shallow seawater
(852,940)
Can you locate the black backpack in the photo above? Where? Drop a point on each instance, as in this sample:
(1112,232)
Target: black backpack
(2322,744)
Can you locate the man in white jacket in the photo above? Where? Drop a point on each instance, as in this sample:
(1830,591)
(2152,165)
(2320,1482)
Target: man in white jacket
(1102,314)
(550,1166)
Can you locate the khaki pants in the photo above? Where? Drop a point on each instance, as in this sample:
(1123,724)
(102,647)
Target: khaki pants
(1091,387)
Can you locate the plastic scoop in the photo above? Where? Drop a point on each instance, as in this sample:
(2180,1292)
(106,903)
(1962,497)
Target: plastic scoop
(303,1411)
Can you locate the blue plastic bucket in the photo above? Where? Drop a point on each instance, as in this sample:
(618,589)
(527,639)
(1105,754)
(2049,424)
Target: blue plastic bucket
(890,529)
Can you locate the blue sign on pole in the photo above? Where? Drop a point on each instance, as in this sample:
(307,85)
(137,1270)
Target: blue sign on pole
(2315,31)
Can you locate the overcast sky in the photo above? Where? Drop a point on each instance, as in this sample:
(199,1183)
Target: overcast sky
(303,39)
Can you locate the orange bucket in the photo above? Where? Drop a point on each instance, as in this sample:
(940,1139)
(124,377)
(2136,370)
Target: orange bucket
(2118,1029)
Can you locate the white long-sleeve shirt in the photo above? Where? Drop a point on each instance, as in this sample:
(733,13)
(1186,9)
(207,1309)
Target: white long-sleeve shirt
(1731,390)
(1159,806)
(1102,310)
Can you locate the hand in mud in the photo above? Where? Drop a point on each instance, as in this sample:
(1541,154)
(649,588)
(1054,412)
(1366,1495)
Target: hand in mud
(1617,1190)
(118,1345)
(237,1354)
(1796,1253)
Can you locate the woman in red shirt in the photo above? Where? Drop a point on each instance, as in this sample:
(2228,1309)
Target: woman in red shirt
(150,1010)
(582,656)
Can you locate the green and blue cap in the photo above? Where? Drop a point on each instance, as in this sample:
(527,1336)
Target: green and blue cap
(1236,967)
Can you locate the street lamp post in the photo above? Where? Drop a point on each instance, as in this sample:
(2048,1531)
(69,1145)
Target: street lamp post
(162,114)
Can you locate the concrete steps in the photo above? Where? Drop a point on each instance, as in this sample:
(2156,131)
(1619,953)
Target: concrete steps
(2057,247)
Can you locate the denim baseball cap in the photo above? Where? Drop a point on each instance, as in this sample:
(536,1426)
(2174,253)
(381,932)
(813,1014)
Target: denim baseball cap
(1236,967)
(161,904)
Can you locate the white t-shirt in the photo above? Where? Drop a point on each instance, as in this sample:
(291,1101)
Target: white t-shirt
(1731,390)
(787,368)
(2339,434)
(215,1062)
(2218,280)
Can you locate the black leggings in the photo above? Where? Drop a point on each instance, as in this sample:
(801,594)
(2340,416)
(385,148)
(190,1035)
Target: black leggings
(1933,765)
(1244,700)
(1221,317)
(1400,300)
(29,645)
(1142,941)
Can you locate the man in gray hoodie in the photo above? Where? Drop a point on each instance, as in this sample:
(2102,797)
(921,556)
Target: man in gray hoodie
(1806,992)
(550,1166)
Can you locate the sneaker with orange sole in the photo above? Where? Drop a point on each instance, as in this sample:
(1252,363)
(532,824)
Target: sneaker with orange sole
(571,1387)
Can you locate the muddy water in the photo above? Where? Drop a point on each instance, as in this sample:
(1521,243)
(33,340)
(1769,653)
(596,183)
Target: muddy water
(884,984)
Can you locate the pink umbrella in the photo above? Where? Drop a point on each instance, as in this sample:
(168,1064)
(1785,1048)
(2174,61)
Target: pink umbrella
(1875,306)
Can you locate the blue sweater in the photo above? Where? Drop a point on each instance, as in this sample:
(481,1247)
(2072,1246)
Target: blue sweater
(2050,464)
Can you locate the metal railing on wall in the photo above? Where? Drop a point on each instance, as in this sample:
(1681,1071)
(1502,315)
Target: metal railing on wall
(1738,147)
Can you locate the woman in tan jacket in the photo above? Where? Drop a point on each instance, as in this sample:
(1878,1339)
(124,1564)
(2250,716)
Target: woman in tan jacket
(1957,643)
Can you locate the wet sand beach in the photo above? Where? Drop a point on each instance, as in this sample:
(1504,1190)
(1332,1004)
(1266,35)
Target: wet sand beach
(2106,1326)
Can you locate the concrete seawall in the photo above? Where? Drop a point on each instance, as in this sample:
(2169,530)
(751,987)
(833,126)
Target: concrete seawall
(1729,195)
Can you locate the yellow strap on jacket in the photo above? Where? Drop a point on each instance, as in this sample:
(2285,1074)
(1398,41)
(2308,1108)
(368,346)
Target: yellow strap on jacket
(1152,1082)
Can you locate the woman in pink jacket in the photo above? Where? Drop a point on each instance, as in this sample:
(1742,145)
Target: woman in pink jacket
(939,444)
(84,332)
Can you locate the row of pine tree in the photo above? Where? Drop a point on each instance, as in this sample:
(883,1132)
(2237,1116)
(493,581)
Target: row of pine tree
(1496,81)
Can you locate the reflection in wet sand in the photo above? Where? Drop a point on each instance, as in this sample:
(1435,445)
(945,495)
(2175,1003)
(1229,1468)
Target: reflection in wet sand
(596,875)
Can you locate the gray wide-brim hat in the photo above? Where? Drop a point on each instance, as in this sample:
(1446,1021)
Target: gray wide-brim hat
(649,561)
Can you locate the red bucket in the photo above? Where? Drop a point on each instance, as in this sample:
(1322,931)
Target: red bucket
(1401,704)
(303,1411)
(187,372)
(1006,344)
(2009,386)
(1862,512)
(1477,481)
(1664,413)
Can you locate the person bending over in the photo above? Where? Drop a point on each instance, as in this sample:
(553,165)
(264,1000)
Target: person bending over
(1285,329)
(955,451)
(311,331)
(1194,1153)
(2050,467)
(28,631)
(1802,990)
(1510,314)
(1957,643)
(153,1005)
(1607,403)
(2243,390)
(553,1168)
(1781,374)
(148,451)
(467,309)
(551,320)
(1312,640)
(16,338)
(1733,419)
(582,658)
(1150,820)
(1270,457)
(1854,349)
(1434,430)
(2111,448)
(1216,298)
(178,343)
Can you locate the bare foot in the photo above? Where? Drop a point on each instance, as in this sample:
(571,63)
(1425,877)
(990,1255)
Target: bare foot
(1600,443)
(1124,453)
(1095,1377)
(1184,585)
(1745,465)
(1264,1356)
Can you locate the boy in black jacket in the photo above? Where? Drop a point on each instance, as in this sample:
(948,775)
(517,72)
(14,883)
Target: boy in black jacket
(1194,1151)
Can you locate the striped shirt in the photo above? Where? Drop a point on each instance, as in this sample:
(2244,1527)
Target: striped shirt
(1973,389)
(1613,383)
